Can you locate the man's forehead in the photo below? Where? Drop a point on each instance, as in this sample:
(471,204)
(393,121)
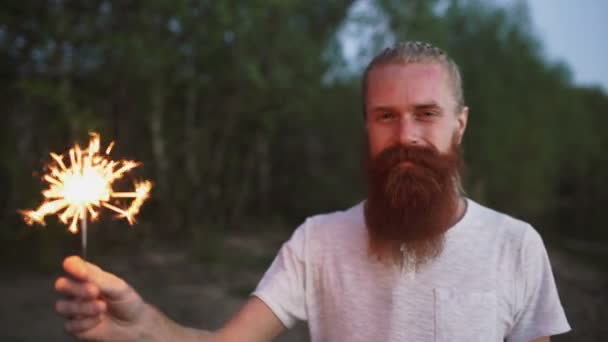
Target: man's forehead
(424,83)
(415,76)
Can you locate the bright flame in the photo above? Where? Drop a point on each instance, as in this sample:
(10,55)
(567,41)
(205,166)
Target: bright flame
(85,186)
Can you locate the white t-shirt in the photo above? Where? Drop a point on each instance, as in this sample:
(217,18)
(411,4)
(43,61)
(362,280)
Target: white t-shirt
(492,282)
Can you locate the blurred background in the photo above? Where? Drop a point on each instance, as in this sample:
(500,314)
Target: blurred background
(246,115)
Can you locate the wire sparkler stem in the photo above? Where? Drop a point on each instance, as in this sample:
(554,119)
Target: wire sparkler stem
(83,234)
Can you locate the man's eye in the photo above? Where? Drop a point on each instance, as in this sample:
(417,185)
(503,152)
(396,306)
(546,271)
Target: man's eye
(426,115)
(386,116)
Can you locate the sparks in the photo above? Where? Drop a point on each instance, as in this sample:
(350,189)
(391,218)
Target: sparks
(80,190)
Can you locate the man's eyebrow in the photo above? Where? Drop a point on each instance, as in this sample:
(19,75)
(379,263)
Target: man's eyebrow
(417,107)
(426,106)
(382,109)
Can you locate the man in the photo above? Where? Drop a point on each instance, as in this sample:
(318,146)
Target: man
(416,261)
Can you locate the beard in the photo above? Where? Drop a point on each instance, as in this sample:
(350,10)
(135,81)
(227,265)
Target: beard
(412,201)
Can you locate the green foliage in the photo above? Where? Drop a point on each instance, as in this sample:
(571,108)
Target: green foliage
(225,103)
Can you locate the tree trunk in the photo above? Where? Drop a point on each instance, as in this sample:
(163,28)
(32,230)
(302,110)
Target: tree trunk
(161,160)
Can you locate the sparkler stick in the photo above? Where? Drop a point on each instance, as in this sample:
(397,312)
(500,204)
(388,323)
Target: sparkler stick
(83,234)
(81,189)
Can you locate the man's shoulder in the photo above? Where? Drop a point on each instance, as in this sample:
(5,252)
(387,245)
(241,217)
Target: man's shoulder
(486,214)
(500,223)
(334,227)
(349,216)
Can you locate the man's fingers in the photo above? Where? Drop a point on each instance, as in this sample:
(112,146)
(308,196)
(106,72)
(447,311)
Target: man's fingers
(80,325)
(109,285)
(76,288)
(112,287)
(70,308)
(76,267)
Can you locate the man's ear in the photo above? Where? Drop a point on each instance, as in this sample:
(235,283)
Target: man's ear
(461,123)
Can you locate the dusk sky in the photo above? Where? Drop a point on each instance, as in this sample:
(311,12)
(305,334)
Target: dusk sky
(576,32)
(571,31)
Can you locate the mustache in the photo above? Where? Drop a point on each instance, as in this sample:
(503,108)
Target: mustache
(426,157)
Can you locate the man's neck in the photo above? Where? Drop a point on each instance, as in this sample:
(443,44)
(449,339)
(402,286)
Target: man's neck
(461,210)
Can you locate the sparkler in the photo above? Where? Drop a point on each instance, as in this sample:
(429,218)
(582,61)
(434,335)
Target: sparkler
(85,186)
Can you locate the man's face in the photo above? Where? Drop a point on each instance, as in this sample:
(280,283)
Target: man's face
(412,104)
(413,132)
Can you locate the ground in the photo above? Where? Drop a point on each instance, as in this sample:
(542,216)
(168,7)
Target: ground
(203,292)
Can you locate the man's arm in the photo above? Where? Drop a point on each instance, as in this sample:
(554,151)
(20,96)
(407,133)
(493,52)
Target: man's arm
(102,307)
(254,322)
(254,316)
(541,339)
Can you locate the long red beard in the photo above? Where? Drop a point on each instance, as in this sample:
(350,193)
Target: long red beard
(412,201)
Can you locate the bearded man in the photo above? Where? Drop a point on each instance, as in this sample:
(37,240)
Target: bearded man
(415,261)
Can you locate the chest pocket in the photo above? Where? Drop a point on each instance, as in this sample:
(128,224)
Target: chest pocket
(465,316)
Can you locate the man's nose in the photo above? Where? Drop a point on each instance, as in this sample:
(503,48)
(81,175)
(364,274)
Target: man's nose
(408,132)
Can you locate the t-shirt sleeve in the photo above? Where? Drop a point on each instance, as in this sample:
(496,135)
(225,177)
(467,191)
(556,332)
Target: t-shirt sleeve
(282,287)
(539,310)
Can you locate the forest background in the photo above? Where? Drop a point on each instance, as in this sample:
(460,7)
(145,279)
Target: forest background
(247,117)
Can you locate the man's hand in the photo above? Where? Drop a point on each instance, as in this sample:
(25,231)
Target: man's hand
(98,305)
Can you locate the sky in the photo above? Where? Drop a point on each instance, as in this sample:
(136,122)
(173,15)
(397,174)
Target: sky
(575,32)
(571,31)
